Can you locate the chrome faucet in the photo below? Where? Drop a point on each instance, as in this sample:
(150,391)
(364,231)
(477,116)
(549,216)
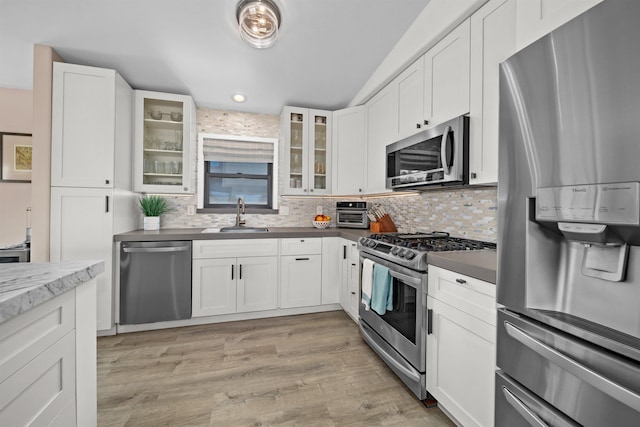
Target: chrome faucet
(239,221)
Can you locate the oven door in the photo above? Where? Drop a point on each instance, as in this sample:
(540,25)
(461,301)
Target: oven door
(403,328)
(353,218)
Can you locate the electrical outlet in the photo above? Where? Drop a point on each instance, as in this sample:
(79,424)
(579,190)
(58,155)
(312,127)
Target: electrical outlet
(284,210)
(191,210)
(318,210)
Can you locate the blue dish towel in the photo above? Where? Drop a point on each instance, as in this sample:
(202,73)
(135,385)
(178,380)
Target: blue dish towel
(382,290)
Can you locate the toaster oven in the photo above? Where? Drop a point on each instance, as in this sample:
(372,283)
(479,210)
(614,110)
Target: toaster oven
(352,215)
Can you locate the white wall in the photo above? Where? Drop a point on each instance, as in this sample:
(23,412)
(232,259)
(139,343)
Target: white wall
(16,115)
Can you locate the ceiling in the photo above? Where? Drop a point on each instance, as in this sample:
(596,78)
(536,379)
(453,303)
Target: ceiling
(326,51)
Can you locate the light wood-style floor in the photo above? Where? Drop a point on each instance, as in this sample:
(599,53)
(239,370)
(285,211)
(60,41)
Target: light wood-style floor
(307,370)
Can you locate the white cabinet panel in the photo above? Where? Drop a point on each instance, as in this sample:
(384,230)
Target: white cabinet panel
(257,284)
(349,132)
(300,280)
(82,229)
(234,248)
(461,345)
(214,287)
(492,42)
(409,87)
(461,364)
(536,18)
(446,77)
(331,270)
(382,122)
(300,246)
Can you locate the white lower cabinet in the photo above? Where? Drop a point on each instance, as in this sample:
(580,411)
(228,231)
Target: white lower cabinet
(461,346)
(300,272)
(48,362)
(223,282)
(350,278)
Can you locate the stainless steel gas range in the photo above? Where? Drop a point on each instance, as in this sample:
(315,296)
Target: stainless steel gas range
(398,335)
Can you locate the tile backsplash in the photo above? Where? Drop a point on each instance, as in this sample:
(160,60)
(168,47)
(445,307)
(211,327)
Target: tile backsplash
(464,212)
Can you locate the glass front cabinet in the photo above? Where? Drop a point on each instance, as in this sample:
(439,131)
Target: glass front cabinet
(307,151)
(164,143)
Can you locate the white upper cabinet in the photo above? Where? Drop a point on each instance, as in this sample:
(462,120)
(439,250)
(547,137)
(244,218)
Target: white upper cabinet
(381,131)
(91,128)
(348,158)
(446,77)
(306,164)
(537,18)
(409,87)
(493,40)
(164,148)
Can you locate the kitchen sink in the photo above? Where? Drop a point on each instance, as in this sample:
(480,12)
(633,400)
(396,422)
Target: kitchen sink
(236,229)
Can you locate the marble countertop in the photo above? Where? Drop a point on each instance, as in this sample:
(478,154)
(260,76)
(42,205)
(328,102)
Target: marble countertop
(274,232)
(481,264)
(25,285)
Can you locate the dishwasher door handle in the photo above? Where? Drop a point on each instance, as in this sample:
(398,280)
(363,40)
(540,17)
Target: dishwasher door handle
(160,249)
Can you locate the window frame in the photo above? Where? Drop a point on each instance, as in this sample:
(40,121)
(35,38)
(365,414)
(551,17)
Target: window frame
(268,177)
(200,174)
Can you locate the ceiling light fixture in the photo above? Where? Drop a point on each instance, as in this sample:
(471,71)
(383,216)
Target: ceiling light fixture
(238,97)
(258,22)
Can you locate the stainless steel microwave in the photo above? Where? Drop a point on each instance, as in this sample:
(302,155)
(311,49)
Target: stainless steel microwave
(434,156)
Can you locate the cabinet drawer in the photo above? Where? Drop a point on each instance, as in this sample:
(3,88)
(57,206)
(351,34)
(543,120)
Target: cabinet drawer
(301,246)
(234,248)
(473,296)
(37,392)
(24,337)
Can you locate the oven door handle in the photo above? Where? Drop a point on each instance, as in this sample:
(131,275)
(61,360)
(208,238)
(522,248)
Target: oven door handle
(616,391)
(414,376)
(405,278)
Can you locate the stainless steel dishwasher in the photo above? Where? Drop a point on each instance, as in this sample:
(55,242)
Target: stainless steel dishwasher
(155,281)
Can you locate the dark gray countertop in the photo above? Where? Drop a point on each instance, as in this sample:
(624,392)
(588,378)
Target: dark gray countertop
(478,264)
(274,232)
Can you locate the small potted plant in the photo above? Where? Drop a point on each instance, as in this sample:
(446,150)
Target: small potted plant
(152,206)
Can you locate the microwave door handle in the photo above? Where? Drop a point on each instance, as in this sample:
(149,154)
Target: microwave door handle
(616,391)
(446,150)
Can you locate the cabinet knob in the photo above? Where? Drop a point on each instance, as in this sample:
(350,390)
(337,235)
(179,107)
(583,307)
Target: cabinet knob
(353,293)
(311,190)
(359,190)
(185,188)
(418,125)
(461,281)
(474,175)
(106,181)
(426,122)
(305,190)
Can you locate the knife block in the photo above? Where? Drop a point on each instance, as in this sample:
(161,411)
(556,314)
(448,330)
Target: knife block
(383,225)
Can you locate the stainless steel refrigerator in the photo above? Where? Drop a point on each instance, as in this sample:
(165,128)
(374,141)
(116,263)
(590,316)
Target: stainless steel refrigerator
(568,346)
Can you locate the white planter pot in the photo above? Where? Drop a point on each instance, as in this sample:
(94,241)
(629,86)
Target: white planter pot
(152,223)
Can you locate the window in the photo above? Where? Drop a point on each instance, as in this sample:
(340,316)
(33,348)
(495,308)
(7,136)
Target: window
(233,167)
(226,181)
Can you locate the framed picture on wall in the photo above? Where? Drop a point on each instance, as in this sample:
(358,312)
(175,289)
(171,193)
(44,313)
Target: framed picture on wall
(16,156)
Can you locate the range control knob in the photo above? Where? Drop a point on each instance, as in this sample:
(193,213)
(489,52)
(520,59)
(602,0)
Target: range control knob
(371,243)
(410,255)
(401,253)
(395,251)
(363,240)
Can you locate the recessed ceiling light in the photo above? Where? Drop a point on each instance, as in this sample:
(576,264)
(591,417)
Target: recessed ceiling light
(258,22)
(238,97)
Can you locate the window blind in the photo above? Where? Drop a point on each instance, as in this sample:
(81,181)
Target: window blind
(220,150)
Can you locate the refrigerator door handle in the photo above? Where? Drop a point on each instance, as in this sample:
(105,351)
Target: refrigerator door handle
(587,375)
(523,409)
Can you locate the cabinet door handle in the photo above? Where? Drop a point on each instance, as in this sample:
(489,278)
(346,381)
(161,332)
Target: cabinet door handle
(474,175)
(106,204)
(353,293)
(231,271)
(418,125)
(240,272)
(106,181)
(426,122)
(344,251)
(429,321)
(302,259)
(461,281)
